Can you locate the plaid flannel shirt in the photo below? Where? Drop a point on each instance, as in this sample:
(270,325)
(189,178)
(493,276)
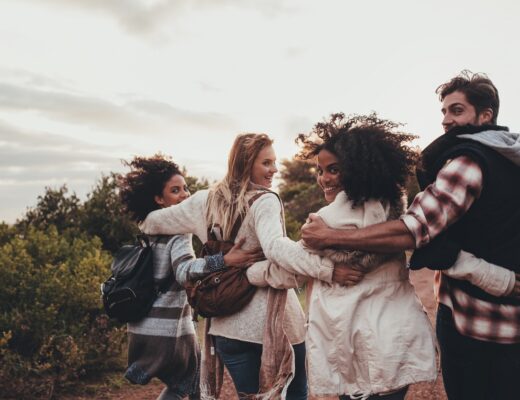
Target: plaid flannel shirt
(457,186)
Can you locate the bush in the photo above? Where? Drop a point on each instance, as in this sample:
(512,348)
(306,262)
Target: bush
(52,262)
(103,215)
(52,328)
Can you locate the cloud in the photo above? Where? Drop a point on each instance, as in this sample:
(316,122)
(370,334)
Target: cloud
(294,52)
(29,161)
(207,87)
(31,79)
(32,160)
(146,17)
(42,157)
(172,114)
(13,136)
(134,116)
(67,107)
(296,125)
(138,17)
(49,162)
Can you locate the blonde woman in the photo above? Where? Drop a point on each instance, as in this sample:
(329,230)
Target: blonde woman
(239,337)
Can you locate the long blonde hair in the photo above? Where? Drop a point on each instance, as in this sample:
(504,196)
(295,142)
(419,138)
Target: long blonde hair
(227,199)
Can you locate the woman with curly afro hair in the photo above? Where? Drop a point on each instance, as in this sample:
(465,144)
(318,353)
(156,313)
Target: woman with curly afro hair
(371,339)
(164,344)
(382,339)
(374,160)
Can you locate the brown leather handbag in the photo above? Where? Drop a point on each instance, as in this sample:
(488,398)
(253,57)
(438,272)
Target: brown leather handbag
(223,292)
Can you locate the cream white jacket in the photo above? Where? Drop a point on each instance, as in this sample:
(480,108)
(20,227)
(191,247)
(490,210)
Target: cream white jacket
(370,338)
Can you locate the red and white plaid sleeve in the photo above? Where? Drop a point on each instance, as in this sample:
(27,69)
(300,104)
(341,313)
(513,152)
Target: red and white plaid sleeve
(457,186)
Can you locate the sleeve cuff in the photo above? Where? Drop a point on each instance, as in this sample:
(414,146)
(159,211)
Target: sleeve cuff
(326,270)
(511,284)
(415,228)
(215,263)
(256,274)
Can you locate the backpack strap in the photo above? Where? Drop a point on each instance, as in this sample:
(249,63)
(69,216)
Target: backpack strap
(282,212)
(239,220)
(211,232)
(257,195)
(236,227)
(142,239)
(163,284)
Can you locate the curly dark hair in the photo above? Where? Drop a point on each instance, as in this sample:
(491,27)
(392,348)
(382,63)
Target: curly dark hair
(480,92)
(375,159)
(146,179)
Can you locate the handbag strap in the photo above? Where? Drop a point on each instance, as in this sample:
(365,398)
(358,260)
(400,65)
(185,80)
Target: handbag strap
(239,220)
(142,239)
(165,283)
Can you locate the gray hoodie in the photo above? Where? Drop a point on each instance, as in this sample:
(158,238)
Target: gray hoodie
(505,143)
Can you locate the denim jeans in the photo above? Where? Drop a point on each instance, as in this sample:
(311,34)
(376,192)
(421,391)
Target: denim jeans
(474,369)
(393,396)
(242,360)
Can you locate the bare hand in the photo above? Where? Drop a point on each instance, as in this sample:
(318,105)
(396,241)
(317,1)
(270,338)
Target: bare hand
(347,275)
(237,257)
(516,288)
(315,232)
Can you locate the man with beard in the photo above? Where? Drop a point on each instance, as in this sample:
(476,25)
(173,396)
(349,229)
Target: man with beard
(468,211)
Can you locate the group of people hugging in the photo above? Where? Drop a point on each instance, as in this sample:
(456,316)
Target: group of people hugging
(364,335)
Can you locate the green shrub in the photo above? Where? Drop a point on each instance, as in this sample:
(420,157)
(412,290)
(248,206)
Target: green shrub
(52,329)
(52,261)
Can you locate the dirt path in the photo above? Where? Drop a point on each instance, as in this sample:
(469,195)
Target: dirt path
(422,281)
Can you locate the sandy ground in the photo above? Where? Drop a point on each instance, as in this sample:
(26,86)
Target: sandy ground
(422,281)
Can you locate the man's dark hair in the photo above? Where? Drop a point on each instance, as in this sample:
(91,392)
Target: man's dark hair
(146,179)
(480,92)
(375,160)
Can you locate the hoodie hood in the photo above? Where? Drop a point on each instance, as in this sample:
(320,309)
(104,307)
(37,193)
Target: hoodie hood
(503,142)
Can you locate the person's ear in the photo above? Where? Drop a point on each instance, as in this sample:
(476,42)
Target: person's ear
(159,200)
(485,116)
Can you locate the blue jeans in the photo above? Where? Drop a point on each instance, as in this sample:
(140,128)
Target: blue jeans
(242,360)
(393,396)
(474,369)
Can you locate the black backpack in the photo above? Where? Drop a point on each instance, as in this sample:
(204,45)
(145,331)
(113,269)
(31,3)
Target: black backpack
(128,295)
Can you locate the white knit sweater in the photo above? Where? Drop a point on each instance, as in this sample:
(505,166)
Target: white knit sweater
(262,227)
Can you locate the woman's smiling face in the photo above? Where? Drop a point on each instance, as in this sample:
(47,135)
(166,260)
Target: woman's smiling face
(175,191)
(264,167)
(328,175)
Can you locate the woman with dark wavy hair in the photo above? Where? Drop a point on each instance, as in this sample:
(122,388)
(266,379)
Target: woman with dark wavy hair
(369,340)
(383,340)
(164,343)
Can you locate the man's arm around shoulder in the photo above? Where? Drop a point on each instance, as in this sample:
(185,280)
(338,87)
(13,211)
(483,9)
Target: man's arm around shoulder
(386,237)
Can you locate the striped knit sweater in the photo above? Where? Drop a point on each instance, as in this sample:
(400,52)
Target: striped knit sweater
(164,344)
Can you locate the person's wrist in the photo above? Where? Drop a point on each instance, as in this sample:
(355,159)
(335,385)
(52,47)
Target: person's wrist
(330,238)
(215,262)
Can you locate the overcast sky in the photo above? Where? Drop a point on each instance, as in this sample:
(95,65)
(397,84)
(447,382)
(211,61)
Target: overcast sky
(86,83)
